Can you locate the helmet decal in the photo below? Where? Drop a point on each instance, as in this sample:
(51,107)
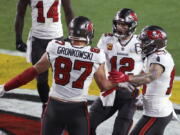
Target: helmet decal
(134,16)
(89,27)
(154,34)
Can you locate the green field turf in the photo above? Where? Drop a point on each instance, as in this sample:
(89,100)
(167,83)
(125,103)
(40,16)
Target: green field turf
(159,12)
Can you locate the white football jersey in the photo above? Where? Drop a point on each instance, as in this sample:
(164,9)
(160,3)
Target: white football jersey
(46,19)
(120,57)
(156,94)
(124,58)
(73,69)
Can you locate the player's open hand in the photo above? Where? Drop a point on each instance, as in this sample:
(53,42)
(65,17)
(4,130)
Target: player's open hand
(117,77)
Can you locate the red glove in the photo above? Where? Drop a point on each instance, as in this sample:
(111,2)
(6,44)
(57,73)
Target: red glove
(118,77)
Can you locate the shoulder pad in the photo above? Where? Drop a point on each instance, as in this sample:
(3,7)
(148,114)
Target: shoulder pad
(95,49)
(60,42)
(108,34)
(159,52)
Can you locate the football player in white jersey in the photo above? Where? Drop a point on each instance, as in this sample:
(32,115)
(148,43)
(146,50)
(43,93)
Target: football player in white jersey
(122,54)
(74,64)
(46,25)
(157,79)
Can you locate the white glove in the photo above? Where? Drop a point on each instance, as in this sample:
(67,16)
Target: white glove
(139,101)
(127,86)
(2,91)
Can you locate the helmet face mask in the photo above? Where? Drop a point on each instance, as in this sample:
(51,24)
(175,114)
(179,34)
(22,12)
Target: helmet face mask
(81,29)
(128,17)
(152,38)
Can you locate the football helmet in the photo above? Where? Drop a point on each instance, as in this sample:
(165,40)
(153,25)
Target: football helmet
(152,38)
(81,28)
(126,16)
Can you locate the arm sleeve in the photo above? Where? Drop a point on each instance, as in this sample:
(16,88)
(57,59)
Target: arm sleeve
(21,79)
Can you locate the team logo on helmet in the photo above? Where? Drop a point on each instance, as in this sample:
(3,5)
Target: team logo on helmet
(155,34)
(133,16)
(89,27)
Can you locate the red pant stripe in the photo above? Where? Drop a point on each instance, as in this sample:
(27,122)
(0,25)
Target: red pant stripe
(147,126)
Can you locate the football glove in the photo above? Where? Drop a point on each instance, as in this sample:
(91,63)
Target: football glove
(2,91)
(117,77)
(21,46)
